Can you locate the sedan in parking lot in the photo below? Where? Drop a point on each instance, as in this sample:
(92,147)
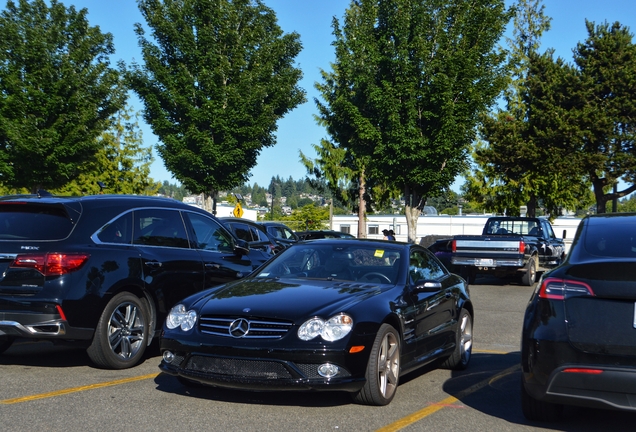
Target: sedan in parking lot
(578,342)
(349,315)
(103,271)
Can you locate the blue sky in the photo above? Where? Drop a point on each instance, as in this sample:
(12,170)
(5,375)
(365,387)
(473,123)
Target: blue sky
(312,20)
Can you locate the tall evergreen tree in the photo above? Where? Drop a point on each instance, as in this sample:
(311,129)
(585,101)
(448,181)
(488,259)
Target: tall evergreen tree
(57,93)
(217,78)
(604,102)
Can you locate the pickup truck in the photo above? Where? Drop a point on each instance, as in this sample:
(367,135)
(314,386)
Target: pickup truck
(508,246)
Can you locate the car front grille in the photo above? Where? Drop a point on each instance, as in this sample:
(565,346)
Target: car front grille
(249,368)
(251,328)
(238,368)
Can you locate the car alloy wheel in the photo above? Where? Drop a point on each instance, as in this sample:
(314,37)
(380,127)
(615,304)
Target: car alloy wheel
(383,369)
(464,346)
(122,333)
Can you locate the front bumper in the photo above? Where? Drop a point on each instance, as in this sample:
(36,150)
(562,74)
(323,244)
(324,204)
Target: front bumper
(264,369)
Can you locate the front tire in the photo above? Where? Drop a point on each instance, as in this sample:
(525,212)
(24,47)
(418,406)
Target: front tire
(121,335)
(464,343)
(383,369)
(536,410)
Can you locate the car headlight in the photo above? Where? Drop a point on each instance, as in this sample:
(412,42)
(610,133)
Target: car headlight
(335,328)
(179,317)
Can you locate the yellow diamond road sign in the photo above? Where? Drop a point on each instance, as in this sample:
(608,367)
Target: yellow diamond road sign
(238,211)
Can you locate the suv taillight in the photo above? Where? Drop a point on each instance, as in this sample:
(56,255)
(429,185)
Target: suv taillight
(559,289)
(51,264)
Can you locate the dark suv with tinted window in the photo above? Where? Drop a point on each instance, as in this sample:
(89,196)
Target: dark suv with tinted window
(105,270)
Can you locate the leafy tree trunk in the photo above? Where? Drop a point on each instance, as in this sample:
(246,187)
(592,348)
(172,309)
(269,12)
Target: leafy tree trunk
(209,201)
(362,207)
(532,206)
(412,210)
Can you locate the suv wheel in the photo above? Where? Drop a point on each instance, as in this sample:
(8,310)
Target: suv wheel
(121,335)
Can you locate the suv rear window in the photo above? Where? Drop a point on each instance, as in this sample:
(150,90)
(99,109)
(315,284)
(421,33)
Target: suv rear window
(21,221)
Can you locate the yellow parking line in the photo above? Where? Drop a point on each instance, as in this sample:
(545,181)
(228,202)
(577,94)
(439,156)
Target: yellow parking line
(424,412)
(77,389)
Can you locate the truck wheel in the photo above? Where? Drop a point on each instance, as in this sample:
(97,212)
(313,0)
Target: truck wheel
(530,275)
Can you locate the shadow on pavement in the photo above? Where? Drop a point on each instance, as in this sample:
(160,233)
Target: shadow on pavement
(497,394)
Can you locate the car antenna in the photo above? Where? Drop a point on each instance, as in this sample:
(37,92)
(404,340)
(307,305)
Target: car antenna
(44,193)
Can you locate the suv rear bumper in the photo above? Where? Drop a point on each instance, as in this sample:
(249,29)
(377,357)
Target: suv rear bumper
(40,326)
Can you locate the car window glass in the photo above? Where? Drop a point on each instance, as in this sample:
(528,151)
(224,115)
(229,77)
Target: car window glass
(423,266)
(242,231)
(549,232)
(276,232)
(210,236)
(258,234)
(159,227)
(33,222)
(117,231)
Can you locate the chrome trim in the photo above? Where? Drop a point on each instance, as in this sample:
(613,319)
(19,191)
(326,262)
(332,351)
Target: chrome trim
(33,329)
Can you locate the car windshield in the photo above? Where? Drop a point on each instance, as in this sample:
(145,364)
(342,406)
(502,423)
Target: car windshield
(355,263)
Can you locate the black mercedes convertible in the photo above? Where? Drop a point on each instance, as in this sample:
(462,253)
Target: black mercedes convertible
(347,315)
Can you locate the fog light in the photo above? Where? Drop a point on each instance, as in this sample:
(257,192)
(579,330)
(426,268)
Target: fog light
(168,356)
(328,370)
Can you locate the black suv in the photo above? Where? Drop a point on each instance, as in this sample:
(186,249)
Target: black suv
(105,270)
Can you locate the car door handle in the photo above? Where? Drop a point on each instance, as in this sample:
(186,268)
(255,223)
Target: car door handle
(212,266)
(154,264)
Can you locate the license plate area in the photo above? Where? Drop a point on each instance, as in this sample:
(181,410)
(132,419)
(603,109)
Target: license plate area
(489,262)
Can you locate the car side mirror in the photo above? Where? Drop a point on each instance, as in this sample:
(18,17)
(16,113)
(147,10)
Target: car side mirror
(428,286)
(241,247)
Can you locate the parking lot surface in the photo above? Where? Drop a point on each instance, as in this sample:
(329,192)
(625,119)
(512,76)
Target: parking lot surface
(48,388)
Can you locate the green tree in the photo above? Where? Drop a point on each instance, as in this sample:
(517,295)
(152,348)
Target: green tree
(122,164)
(175,191)
(413,77)
(603,101)
(309,217)
(512,162)
(57,93)
(214,84)
(509,161)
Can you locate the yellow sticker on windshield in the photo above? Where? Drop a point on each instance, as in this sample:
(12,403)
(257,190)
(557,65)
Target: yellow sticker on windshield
(379,253)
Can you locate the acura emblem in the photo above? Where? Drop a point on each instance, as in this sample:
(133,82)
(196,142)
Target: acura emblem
(239,327)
